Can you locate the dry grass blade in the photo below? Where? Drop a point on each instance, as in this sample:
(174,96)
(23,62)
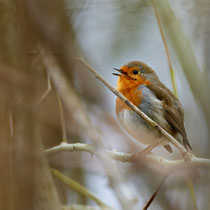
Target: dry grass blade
(155,194)
(77,187)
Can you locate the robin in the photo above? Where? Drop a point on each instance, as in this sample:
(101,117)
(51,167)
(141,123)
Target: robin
(140,84)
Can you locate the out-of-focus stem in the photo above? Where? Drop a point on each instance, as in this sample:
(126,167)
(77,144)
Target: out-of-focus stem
(173,28)
(173,78)
(63,124)
(77,187)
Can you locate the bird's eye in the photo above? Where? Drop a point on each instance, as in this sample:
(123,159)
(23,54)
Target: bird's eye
(135,71)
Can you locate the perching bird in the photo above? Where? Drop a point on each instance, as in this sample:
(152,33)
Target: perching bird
(140,84)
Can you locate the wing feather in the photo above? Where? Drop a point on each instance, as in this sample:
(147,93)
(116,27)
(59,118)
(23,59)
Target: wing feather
(173,111)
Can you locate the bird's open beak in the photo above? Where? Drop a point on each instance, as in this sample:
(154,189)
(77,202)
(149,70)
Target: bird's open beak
(119,70)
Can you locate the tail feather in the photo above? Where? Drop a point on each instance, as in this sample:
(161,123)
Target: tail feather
(168,148)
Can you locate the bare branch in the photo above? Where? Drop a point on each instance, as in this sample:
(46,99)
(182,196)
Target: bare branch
(157,162)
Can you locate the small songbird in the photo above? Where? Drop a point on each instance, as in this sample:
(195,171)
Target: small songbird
(140,84)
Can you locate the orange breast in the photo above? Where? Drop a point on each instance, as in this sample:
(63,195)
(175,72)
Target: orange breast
(129,88)
(132,94)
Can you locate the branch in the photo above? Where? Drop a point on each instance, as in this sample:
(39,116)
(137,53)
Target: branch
(158,162)
(186,154)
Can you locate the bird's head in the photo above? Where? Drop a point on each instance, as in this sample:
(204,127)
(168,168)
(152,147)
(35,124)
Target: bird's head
(135,73)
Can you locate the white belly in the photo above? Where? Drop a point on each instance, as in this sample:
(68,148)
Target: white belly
(138,128)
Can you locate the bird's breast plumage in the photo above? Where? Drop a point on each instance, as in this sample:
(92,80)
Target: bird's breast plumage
(132,94)
(133,123)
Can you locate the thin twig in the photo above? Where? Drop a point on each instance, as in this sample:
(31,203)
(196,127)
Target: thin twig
(186,154)
(77,187)
(154,194)
(189,182)
(49,87)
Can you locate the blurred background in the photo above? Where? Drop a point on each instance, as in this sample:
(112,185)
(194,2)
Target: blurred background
(47,95)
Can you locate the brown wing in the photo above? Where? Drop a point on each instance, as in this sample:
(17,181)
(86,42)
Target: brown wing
(174,113)
(175,119)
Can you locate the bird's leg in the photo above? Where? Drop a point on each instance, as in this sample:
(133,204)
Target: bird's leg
(148,149)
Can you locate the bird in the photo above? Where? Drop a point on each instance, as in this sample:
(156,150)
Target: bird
(140,84)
